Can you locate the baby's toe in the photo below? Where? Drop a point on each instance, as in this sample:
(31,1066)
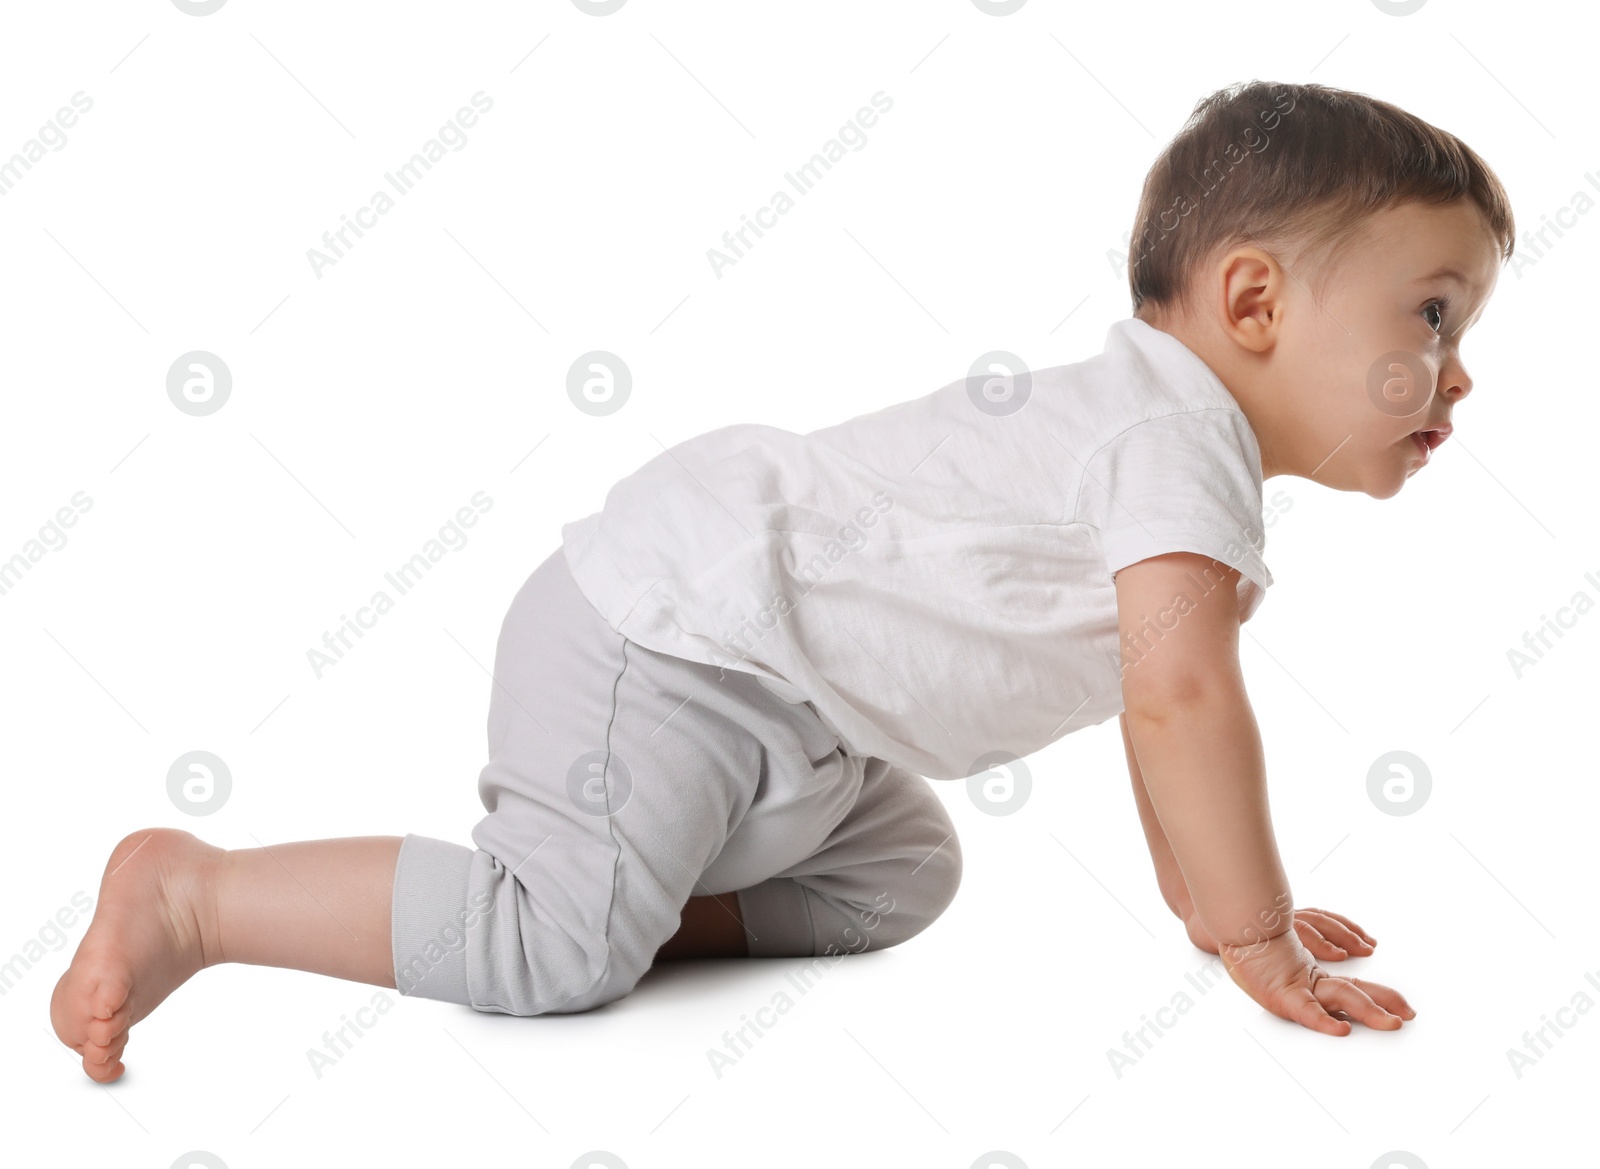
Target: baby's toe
(104,1032)
(108,992)
(103,1073)
(103,1055)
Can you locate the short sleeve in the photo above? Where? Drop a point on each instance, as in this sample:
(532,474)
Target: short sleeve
(1185,482)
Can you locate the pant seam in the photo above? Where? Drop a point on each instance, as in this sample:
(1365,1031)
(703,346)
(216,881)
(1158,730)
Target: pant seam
(611,830)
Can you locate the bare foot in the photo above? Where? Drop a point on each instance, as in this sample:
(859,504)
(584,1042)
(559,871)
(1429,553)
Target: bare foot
(151,928)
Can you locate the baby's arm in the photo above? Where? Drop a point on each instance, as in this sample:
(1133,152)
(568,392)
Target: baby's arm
(1174,890)
(1193,739)
(1200,753)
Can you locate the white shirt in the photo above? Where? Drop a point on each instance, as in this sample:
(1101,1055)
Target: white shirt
(935,578)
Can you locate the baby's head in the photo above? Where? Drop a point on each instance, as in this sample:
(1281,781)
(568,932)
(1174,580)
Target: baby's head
(1324,253)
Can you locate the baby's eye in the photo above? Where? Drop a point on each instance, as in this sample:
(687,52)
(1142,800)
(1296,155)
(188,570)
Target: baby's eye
(1435,306)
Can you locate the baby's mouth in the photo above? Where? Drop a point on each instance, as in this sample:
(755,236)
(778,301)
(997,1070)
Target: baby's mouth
(1431,437)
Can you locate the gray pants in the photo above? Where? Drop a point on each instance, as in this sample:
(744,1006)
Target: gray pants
(620,783)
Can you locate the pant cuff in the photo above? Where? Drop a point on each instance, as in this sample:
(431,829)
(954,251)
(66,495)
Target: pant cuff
(429,919)
(778,919)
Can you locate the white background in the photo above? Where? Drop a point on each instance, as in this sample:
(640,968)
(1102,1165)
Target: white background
(369,404)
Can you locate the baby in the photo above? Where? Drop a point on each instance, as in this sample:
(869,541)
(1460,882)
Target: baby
(717,705)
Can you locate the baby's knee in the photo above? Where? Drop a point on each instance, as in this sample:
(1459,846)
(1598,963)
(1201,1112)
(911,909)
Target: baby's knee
(468,930)
(907,907)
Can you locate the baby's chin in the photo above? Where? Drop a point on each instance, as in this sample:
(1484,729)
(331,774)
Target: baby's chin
(1386,484)
(1376,482)
(1387,472)
(1389,491)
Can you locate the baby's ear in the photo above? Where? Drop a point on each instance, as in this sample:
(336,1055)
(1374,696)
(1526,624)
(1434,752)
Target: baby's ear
(1178,625)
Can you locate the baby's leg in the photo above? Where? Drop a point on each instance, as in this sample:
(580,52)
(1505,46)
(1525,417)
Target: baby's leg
(709,927)
(171,904)
(885,874)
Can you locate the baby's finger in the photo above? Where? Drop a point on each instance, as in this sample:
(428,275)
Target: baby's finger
(1301,1006)
(1319,946)
(1339,936)
(1342,994)
(1387,997)
(1346,922)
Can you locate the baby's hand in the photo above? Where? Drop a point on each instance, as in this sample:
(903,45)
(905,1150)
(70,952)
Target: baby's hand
(1333,937)
(1281,975)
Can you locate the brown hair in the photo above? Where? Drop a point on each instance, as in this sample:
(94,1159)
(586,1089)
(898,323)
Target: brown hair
(1293,167)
